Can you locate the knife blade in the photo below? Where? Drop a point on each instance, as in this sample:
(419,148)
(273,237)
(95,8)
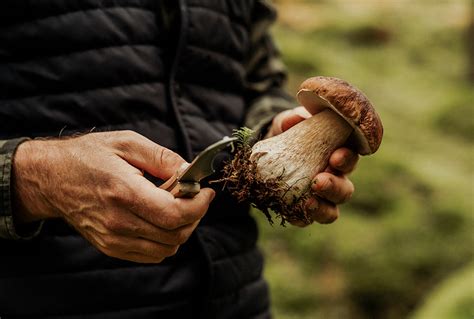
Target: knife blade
(186,183)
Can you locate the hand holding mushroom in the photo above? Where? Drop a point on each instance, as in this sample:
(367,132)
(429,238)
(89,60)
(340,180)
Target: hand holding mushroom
(278,173)
(331,187)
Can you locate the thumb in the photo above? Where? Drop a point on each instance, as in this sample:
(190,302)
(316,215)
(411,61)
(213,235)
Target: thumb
(146,155)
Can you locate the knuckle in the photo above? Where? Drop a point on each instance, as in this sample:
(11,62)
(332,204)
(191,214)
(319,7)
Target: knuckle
(162,155)
(161,252)
(173,217)
(105,244)
(171,251)
(117,226)
(120,192)
(180,237)
(173,221)
(135,229)
(110,224)
(128,136)
(128,133)
(108,252)
(110,242)
(123,140)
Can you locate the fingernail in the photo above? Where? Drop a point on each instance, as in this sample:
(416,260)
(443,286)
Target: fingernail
(322,186)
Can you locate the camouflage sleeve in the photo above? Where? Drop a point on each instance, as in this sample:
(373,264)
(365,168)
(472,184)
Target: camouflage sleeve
(265,72)
(8,229)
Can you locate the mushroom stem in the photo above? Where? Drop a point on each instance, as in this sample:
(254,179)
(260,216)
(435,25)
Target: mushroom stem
(298,154)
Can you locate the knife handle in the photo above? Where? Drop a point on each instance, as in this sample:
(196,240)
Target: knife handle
(185,190)
(181,189)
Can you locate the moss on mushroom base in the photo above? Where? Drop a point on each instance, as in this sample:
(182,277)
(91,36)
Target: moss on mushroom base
(246,184)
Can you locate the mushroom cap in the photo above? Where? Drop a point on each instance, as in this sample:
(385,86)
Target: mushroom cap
(318,93)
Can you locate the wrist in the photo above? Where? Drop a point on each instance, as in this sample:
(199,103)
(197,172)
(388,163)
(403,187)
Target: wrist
(29,169)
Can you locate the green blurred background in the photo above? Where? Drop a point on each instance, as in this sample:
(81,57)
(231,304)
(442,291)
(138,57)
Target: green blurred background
(403,247)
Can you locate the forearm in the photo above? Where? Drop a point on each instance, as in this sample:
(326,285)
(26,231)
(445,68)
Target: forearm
(265,86)
(265,73)
(10,227)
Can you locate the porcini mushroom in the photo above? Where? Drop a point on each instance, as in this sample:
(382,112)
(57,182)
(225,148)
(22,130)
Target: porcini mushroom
(276,173)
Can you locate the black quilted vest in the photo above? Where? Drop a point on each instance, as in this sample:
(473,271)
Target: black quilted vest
(72,65)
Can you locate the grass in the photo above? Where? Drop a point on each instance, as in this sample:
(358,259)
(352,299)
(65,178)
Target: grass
(452,299)
(409,224)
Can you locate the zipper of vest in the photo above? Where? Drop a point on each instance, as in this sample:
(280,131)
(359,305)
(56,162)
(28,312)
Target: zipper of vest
(203,311)
(173,86)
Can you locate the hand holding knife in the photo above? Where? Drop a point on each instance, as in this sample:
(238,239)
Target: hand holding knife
(186,184)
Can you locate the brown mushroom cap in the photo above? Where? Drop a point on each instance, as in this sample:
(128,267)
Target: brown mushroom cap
(320,92)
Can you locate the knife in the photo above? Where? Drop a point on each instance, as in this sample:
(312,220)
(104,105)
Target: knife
(186,184)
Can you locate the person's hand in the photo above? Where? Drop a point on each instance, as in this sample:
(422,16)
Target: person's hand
(95,182)
(331,187)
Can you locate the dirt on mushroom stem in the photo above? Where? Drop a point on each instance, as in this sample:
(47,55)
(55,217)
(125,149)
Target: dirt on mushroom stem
(242,179)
